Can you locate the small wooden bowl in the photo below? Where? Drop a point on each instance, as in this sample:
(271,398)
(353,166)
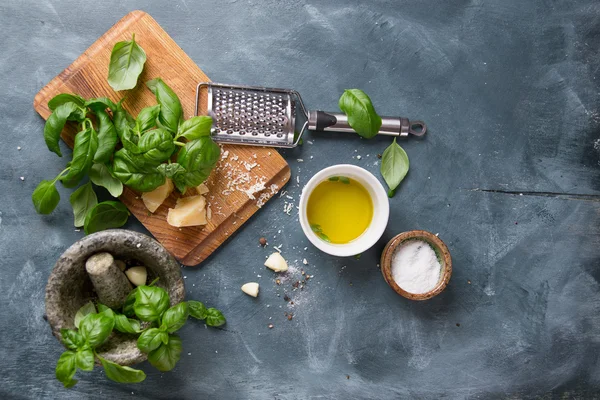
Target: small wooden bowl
(441,251)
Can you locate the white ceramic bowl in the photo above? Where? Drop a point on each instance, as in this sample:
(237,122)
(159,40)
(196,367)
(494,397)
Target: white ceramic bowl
(381,210)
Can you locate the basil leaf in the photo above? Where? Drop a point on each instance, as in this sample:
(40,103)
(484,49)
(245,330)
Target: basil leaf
(65,369)
(106,215)
(129,303)
(166,356)
(45,197)
(198,157)
(174,318)
(195,127)
(156,145)
(101,103)
(63,98)
(151,339)
(55,124)
(170,106)
(95,328)
(136,172)
(196,309)
(394,165)
(106,310)
(126,325)
(170,170)
(214,317)
(150,302)
(107,137)
(126,64)
(86,144)
(122,120)
(82,200)
(146,119)
(84,359)
(101,176)
(87,308)
(71,338)
(361,115)
(121,374)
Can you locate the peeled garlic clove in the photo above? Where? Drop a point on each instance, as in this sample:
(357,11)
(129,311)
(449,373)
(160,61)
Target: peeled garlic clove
(250,288)
(121,265)
(276,263)
(137,275)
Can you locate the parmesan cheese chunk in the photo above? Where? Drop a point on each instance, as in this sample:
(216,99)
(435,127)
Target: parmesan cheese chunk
(202,189)
(189,211)
(153,200)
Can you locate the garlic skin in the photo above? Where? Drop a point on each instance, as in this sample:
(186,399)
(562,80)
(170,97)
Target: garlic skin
(137,275)
(276,262)
(250,288)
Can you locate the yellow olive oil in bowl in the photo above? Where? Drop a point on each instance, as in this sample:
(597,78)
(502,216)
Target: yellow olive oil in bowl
(339,210)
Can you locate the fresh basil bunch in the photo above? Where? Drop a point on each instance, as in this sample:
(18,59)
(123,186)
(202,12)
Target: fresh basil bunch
(151,305)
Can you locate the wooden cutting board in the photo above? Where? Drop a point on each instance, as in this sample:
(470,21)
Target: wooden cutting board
(235,185)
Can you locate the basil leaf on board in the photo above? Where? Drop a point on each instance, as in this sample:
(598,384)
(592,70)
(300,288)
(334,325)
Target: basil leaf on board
(107,137)
(45,197)
(195,127)
(86,144)
(71,338)
(63,98)
(171,111)
(170,170)
(95,328)
(129,303)
(82,200)
(146,119)
(126,325)
(84,359)
(165,357)
(55,124)
(175,317)
(100,175)
(198,157)
(156,146)
(126,64)
(214,317)
(150,303)
(394,166)
(106,215)
(87,308)
(196,309)
(136,172)
(122,120)
(151,339)
(66,368)
(101,103)
(121,374)
(360,111)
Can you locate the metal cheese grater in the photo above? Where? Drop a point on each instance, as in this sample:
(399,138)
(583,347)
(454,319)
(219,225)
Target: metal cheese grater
(267,117)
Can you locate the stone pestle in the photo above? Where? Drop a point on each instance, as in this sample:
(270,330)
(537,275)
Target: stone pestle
(111,284)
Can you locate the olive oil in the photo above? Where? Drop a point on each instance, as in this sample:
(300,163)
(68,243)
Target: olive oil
(339,210)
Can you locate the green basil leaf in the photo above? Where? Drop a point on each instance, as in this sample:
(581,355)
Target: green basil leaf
(128,309)
(106,310)
(195,127)
(87,308)
(84,359)
(106,215)
(122,120)
(45,197)
(214,317)
(174,318)
(63,98)
(71,338)
(156,146)
(136,171)
(100,175)
(394,165)
(196,309)
(121,374)
(146,119)
(171,170)
(101,103)
(95,328)
(126,64)
(361,115)
(127,325)
(151,339)
(86,144)
(165,357)
(171,111)
(107,137)
(55,124)
(150,303)
(65,369)
(198,157)
(83,200)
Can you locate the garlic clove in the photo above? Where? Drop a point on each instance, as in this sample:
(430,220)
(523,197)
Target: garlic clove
(276,262)
(137,275)
(250,288)
(121,264)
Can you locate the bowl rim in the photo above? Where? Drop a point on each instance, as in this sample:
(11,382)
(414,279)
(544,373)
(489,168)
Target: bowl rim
(381,210)
(438,246)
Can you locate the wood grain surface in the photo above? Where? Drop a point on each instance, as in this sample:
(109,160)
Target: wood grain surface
(233,196)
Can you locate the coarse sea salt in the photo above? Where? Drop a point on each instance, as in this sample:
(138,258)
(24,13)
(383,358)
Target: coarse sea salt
(415,267)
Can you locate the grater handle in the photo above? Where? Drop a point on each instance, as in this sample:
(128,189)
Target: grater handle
(338,122)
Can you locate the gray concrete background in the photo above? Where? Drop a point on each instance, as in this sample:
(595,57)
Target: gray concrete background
(509,91)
